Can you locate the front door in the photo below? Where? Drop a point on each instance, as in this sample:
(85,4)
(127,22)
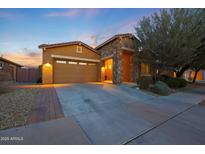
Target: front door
(127,67)
(108,69)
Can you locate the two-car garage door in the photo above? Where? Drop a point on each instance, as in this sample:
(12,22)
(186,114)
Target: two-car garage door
(68,71)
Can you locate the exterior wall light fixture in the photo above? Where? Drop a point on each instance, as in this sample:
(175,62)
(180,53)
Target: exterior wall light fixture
(47,64)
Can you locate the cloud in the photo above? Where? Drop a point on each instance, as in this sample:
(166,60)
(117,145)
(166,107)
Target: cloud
(5,15)
(70,13)
(93,40)
(89,39)
(74,13)
(126,26)
(10,15)
(25,57)
(91,12)
(30,52)
(5,43)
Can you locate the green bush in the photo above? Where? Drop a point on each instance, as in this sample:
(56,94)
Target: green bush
(173,82)
(160,88)
(182,82)
(145,81)
(164,77)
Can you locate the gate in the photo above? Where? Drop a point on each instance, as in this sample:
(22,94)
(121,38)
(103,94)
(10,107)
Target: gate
(27,75)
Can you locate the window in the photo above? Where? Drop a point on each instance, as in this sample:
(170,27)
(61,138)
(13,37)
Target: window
(60,61)
(91,64)
(79,49)
(1,65)
(80,63)
(145,68)
(72,62)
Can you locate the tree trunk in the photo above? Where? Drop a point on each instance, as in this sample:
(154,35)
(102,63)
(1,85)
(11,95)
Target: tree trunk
(195,75)
(179,73)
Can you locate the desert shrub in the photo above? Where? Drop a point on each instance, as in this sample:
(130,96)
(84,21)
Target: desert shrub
(145,81)
(173,82)
(182,82)
(160,88)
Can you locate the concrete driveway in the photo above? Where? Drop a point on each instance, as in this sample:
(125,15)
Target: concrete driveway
(110,114)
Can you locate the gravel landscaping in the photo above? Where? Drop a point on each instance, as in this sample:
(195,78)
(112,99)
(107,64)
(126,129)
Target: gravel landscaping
(15,107)
(5,87)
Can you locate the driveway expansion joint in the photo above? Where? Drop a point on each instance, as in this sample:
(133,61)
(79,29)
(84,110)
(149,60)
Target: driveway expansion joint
(84,132)
(150,129)
(120,115)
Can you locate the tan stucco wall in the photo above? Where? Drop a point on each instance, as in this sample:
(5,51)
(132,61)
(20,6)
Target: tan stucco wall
(63,51)
(68,51)
(47,74)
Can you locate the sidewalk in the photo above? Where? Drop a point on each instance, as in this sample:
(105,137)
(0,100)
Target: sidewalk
(62,131)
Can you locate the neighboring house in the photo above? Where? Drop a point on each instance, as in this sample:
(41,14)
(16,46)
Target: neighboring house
(116,60)
(189,75)
(70,62)
(8,69)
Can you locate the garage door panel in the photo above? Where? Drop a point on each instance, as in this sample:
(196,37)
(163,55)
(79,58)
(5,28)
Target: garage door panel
(68,73)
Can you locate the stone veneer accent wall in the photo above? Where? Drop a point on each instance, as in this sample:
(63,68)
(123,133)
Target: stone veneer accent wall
(113,49)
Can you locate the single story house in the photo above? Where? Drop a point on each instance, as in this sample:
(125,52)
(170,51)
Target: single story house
(189,75)
(8,70)
(116,60)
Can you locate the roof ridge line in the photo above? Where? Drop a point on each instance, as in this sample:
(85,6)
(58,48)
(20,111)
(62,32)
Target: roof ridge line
(113,38)
(67,43)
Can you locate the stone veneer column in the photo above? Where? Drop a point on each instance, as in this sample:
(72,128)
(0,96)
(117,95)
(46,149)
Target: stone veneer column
(117,66)
(115,63)
(120,65)
(132,66)
(137,68)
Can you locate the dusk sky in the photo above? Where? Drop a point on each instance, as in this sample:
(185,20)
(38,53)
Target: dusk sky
(22,30)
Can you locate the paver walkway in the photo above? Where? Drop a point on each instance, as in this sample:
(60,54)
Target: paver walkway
(46,106)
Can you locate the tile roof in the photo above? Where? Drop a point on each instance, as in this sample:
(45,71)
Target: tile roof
(115,37)
(65,44)
(8,61)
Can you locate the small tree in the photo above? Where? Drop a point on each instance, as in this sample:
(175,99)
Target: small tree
(198,62)
(170,36)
